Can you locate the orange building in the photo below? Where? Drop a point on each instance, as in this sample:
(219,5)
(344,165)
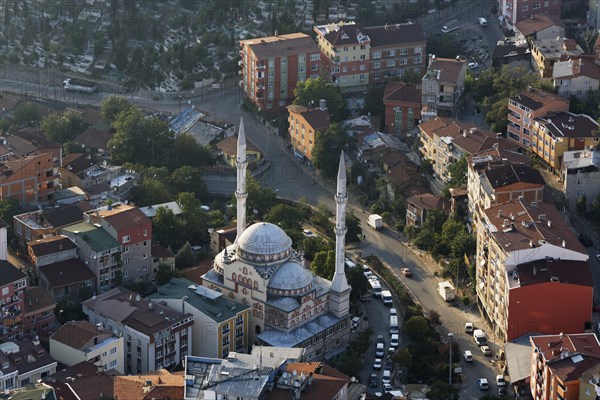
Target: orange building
(29,179)
(271,67)
(550,295)
(305,124)
(402,103)
(525,107)
(557,363)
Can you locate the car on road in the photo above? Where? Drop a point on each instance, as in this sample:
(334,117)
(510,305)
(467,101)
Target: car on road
(482,383)
(472,65)
(386,377)
(368,274)
(387,387)
(393,311)
(486,350)
(308,233)
(372,278)
(469,327)
(355,322)
(500,380)
(406,272)
(468,356)
(380,350)
(377,364)
(389,366)
(373,380)
(482,21)
(394,341)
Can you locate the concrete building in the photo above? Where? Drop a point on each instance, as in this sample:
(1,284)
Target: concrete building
(31,179)
(559,361)
(402,103)
(228,146)
(249,375)
(271,67)
(160,384)
(418,206)
(540,26)
(519,232)
(220,325)
(442,87)
(38,312)
(345,50)
(13,283)
(580,176)
(78,341)
(305,124)
(24,363)
(51,249)
(66,278)
(133,230)
(290,306)
(155,336)
(525,107)
(589,383)
(511,53)
(564,131)
(396,49)
(100,251)
(576,77)
(514,11)
(546,52)
(161,256)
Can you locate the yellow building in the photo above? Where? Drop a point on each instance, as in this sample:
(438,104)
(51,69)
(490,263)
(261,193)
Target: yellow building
(564,131)
(228,147)
(305,123)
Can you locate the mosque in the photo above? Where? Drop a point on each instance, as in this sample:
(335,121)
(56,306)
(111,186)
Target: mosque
(291,307)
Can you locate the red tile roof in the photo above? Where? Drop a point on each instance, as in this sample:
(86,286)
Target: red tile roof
(166,385)
(402,92)
(37,298)
(77,334)
(282,45)
(66,273)
(449,68)
(51,245)
(229,146)
(122,217)
(537,23)
(428,201)
(317,118)
(549,345)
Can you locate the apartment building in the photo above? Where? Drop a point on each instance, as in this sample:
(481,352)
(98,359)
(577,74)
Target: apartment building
(345,50)
(402,102)
(220,324)
(38,312)
(305,124)
(31,179)
(525,107)
(160,384)
(576,77)
(546,52)
(445,140)
(442,87)
(101,251)
(580,176)
(509,236)
(85,171)
(418,206)
(51,249)
(156,336)
(24,363)
(133,231)
(271,67)
(78,341)
(491,183)
(554,134)
(540,26)
(65,278)
(514,11)
(13,283)
(589,383)
(558,361)
(395,50)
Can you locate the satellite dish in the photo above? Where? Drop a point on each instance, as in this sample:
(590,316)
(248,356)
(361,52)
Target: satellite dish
(297,383)
(137,297)
(294,372)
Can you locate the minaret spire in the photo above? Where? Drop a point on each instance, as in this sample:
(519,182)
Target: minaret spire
(241,193)
(340,289)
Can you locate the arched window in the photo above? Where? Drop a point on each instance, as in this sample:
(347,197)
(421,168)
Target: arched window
(245,271)
(234,277)
(256,285)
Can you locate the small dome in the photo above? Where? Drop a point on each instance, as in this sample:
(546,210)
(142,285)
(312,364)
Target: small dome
(264,242)
(290,276)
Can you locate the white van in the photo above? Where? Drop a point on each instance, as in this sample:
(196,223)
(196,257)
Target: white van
(386,295)
(482,21)
(468,356)
(376,288)
(393,324)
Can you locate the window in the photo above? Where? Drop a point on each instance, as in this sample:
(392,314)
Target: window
(314,67)
(417,60)
(112,364)
(283,71)
(391,63)
(525,7)
(418,50)
(125,274)
(403,61)
(361,77)
(403,52)
(363,67)
(145,232)
(301,69)
(4,291)
(391,53)
(344,69)
(525,142)
(283,61)
(363,57)
(376,55)
(301,59)
(536,6)
(126,239)
(315,57)
(377,65)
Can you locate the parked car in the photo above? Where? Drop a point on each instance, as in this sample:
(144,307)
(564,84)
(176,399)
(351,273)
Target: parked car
(500,380)
(469,327)
(468,356)
(394,341)
(379,350)
(486,350)
(373,380)
(482,21)
(387,387)
(377,364)
(355,322)
(393,311)
(472,65)
(386,377)
(406,272)
(482,383)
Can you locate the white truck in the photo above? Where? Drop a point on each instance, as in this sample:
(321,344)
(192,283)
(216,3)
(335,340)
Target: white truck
(375,221)
(446,290)
(450,26)
(79,85)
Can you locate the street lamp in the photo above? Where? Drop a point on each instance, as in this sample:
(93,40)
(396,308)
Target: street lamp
(450,336)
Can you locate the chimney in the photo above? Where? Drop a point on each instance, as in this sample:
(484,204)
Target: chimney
(496,145)
(322,105)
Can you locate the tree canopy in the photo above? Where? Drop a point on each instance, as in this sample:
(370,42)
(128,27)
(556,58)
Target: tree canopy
(311,91)
(323,264)
(328,145)
(63,127)
(112,106)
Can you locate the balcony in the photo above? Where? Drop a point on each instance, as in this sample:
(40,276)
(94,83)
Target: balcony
(260,66)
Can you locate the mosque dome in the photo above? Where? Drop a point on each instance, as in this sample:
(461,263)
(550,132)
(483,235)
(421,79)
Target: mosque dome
(290,278)
(264,242)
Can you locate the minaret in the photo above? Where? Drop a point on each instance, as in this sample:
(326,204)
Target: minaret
(241,193)
(340,290)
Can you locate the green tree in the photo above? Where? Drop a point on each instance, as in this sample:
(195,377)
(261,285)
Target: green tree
(188,179)
(329,143)
(374,100)
(458,172)
(323,264)
(165,273)
(417,328)
(354,231)
(25,114)
(359,283)
(441,390)
(426,167)
(310,92)
(187,151)
(313,245)
(184,257)
(151,191)
(112,106)
(63,128)
(259,197)
(168,229)
(286,216)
